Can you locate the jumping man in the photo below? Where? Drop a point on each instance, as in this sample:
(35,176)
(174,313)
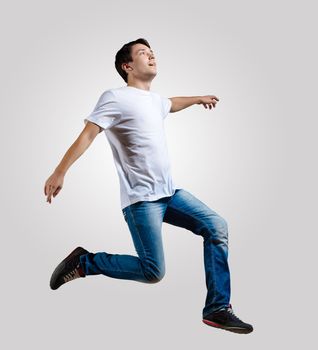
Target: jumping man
(132,118)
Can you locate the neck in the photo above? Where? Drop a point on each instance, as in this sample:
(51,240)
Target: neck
(143,85)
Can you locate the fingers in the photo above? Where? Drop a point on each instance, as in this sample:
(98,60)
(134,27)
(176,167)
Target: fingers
(214,101)
(208,105)
(46,187)
(57,191)
(210,102)
(51,190)
(53,186)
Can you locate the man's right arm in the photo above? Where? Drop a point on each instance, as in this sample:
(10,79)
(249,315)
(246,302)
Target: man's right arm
(54,183)
(80,145)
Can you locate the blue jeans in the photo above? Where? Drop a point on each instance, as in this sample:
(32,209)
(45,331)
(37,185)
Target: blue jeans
(144,220)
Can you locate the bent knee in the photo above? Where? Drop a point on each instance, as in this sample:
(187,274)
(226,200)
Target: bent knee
(221,224)
(154,279)
(154,276)
(217,232)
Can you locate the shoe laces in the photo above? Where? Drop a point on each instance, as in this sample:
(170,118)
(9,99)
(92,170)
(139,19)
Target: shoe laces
(230,311)
(72,275)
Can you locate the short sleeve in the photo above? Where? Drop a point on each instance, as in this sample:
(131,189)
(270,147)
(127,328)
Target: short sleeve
(166,106)
(106,113)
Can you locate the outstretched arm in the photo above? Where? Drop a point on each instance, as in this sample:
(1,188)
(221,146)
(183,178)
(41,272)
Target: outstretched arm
(54,183)
(179,103)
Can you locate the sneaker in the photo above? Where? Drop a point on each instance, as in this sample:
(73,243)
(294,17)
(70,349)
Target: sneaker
(68,269)
(226,319)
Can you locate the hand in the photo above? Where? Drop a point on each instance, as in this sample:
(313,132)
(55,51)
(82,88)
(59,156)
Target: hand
(208,101)
(53,185)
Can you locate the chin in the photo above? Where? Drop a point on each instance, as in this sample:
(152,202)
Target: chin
(151,76)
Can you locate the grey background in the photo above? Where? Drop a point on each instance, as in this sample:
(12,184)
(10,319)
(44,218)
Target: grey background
(252,159)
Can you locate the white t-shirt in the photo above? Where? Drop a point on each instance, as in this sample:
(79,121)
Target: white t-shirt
(133,122)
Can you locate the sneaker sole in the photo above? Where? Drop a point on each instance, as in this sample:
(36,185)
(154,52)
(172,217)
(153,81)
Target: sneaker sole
(61,265)
(230,329)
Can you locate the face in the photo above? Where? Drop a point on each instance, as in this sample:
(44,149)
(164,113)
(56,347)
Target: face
(143,66)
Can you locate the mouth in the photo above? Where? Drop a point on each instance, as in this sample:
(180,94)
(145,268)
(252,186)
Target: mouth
(152,64)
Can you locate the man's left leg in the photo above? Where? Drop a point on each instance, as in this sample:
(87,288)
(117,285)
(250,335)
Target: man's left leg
(185,210)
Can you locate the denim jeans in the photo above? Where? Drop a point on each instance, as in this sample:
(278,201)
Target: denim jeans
(144,220)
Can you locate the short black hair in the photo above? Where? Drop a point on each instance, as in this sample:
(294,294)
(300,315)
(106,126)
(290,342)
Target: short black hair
(124,56)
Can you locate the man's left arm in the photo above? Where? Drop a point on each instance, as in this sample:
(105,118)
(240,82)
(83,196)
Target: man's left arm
(179,103)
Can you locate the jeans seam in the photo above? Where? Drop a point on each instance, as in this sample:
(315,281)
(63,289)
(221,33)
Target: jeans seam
(213,257)
(143,248)
(85,265)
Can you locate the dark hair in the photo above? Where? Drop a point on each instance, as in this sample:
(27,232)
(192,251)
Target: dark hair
(124,56)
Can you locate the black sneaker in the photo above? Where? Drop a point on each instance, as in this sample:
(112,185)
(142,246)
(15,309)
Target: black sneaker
(68,269)
(226,319)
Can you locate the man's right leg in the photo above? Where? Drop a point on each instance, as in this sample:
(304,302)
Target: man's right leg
(144,220)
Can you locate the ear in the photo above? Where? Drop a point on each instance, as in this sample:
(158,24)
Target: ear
(126,65)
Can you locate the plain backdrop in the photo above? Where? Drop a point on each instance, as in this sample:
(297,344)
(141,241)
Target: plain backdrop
(252,159)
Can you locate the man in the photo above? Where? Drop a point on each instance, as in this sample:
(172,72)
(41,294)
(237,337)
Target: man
(132,118)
